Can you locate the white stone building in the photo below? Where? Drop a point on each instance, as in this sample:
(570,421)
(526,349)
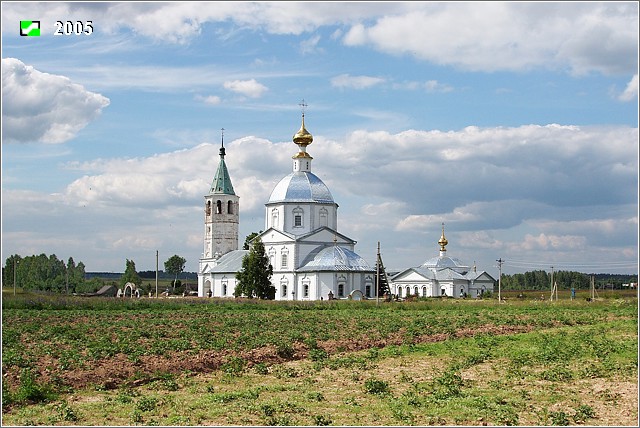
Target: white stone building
(311,260)
(441,276)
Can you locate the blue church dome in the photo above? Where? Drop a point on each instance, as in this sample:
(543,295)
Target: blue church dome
(301,186)
(335,258)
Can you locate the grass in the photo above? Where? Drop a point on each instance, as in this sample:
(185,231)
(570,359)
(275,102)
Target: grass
(430,384)
(574,364)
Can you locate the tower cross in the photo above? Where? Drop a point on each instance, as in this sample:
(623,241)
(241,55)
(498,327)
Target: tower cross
(303,106)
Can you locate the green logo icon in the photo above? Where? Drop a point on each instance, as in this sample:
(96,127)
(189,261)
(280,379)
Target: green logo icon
(29,28)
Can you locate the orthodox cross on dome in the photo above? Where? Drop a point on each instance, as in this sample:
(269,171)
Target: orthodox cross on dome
(303,106)
(222,151)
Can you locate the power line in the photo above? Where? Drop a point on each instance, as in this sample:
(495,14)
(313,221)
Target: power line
(601,265)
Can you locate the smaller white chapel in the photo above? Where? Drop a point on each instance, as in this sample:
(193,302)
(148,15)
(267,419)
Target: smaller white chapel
(441,276)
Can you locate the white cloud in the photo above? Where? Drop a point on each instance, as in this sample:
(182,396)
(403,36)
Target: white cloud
(484,36)
(250,88)
(41,107)
(310,45)
(429,86)
(355,82)
(510,35)
(508,191)
(557,242)
(209,99)
(631,91)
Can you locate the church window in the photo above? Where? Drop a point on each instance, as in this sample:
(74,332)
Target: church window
(306,290)
(340,290)
(424,291)
(274,218)
(208,209)
(284,290)
(324,217)
(272,256)
(399,291)
(297,217)
(462,292)
(415,290)
(367,291)
(230,207)
(285,260)
(224,288)
(219,207)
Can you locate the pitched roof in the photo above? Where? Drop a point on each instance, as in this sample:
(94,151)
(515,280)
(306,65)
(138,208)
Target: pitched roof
(221,183)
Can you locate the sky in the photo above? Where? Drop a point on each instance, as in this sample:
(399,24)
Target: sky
(515,124)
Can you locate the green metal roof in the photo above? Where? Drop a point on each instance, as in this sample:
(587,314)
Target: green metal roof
(221,181)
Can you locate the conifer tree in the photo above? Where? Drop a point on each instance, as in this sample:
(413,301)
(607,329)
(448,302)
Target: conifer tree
(130,274)
(254,280)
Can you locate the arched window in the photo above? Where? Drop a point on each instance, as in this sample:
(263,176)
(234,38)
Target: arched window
(399,291)
(340,290)
(272,256)
(230,207)
(367,291)
(208,209)
(424,291)
(219,207)
(324,217)
(306,290)
(284,290)
(415,290)
(274,218)
(285,260)
(297,217)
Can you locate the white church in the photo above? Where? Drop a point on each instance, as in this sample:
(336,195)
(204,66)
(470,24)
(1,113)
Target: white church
(441,276)
(311,260)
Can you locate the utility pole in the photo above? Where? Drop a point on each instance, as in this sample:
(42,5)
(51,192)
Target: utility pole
(378,276)
(156,274)
(500,261)
(551,284)
(15,262)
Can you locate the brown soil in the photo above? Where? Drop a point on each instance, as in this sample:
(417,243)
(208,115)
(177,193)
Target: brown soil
(119,370)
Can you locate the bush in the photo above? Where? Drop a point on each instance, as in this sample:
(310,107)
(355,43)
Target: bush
(318,354)
(559,418)
(376,387)
(320,420)
(31,391)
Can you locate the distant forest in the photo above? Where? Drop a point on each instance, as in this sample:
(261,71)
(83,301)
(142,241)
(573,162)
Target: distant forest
(541,280)
(145,274)
(50,274)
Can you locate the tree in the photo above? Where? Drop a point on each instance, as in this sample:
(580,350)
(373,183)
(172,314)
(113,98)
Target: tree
(254,280)
(175,265)
(247,240)
(130,274)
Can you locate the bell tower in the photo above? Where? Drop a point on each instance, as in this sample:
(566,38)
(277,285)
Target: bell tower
(221,213)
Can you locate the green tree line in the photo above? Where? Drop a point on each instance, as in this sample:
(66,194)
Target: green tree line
(47,273)
(50,274)
(541,280)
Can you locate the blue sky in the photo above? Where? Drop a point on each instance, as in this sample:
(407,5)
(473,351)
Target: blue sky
(515,124)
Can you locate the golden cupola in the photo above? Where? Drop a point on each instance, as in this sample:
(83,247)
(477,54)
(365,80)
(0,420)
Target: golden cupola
(443,241)
(302,138)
